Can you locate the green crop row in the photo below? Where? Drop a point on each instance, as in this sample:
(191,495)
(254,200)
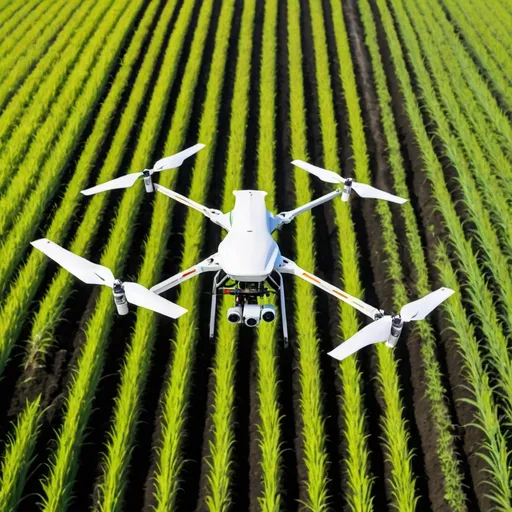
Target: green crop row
(137,361)
(218,493)
(484,30)
(91,70)
(48,181)
(16,100)
(8,10)
(14,311)
(485,307)
(313,447)
(496,454)
(357,453)
(476,288)
(489,121)
(169,456)
(494,72)
(500,18)
(435,390)
(269,428)
(500,124)
(117,250)
(22,291)
(21,22)
(18,455)
(398,452)
(496,17)
(453,99)
(16,137)
(41,31)
(52,305)
(23,65)
(63,465)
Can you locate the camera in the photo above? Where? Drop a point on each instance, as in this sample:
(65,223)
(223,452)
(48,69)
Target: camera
(235,315)
(268,312)
(252,314)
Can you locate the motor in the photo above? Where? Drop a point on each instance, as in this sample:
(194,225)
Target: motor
(347,188)
(268,312)
(235,315)
(148,182)
(397,325)
(120,297)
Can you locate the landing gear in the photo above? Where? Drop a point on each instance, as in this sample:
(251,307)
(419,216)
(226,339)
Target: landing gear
(282,304)
(217,282)
(246,309)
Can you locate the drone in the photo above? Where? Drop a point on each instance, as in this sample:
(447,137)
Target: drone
(248,265)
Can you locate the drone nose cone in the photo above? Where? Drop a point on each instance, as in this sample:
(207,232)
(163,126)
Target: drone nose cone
(248,256)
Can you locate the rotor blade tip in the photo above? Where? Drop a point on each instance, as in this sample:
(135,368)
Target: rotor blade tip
(39,241)
(332,353)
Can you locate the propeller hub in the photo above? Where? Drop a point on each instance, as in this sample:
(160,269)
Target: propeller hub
(347,188)
(117,286)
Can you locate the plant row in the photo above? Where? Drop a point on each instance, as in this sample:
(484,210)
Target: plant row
(30,276)
(221,446)
(476,288)
(484,305)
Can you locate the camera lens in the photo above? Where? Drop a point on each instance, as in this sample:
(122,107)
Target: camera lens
(234,318)
(251,322)
(268,316)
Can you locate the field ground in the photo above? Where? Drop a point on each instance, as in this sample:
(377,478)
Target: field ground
(108,413)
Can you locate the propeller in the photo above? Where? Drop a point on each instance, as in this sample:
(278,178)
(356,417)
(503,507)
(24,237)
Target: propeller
(92,273)
(363,190)
(169,162)
(388,328)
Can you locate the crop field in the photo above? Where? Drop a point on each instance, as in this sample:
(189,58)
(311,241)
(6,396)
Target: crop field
(123,413)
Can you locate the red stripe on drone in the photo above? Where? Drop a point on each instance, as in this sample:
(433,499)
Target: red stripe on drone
(312,278)
(340,294)
(188,273)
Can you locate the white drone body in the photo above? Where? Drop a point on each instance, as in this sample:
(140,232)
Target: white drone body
(248,264)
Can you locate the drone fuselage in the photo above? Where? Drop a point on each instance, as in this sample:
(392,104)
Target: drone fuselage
(248,253)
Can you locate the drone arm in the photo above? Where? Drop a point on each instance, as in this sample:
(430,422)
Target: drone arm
(287,217)
(210,264)
(217,217)
(289,267)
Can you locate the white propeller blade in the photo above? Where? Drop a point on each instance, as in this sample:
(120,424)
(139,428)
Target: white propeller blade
(371,192)
(121,182)
(171,162)
(420,308)
(363,190)
(140,296)
(91,273)
(323,174)
(83,269)
(375,332)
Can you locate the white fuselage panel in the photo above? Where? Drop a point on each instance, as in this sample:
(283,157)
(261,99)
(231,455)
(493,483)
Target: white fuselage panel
(248,253)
